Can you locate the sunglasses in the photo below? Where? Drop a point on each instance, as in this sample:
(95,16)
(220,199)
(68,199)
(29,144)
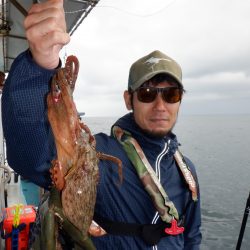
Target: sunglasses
(169,94)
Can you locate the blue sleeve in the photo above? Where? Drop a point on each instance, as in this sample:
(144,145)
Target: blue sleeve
(29,140)
(192,232)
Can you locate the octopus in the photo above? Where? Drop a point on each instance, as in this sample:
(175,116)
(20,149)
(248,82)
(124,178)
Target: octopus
(74,172)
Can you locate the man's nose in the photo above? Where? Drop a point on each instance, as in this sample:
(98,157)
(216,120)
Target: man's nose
(159,103)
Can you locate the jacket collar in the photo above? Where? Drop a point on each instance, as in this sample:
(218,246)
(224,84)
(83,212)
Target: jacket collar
(146,141)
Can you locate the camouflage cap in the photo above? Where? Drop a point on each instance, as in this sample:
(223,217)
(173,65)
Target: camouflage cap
(150,65)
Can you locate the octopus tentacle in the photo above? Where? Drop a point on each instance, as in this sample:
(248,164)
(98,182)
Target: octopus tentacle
(57,175)
(114,159)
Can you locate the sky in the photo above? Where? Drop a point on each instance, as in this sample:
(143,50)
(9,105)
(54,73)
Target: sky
(210,39)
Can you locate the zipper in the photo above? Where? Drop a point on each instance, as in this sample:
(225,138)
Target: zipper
(158,174)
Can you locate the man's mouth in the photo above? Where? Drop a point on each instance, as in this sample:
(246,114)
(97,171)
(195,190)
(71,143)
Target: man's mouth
(159,119)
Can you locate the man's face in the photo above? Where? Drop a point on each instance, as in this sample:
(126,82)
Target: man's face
(158,117)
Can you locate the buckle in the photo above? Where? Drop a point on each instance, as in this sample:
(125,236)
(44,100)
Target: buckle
(174,229)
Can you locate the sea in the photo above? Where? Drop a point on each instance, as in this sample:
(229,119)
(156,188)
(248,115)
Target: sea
(219,146)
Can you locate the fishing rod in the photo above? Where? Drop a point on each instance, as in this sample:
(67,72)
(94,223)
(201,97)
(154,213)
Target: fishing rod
(243,224)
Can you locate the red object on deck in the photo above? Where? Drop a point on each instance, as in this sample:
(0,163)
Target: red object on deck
(27,217)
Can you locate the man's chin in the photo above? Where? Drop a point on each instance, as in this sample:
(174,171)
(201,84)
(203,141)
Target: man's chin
(159,133)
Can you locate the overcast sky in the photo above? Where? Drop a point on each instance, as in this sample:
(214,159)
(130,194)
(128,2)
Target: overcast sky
(210,39)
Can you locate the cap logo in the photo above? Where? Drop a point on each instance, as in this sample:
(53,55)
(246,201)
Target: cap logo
(155,60)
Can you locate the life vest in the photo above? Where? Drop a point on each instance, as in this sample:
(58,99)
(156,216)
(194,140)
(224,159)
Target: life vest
(170,224)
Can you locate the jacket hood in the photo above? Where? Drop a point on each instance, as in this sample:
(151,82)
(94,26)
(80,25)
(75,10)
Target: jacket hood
(146,141)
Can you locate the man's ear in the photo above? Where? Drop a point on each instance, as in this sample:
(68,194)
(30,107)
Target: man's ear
(127,99)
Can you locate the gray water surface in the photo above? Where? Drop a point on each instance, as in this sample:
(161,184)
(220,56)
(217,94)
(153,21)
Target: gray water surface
(219,146)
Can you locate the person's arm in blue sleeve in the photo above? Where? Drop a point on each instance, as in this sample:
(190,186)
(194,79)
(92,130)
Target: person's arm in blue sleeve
(29,141)
(192,233)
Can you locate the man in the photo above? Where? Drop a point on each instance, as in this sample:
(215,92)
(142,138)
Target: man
(158,209)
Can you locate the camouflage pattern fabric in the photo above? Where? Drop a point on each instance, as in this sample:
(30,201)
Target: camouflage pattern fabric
(152,185)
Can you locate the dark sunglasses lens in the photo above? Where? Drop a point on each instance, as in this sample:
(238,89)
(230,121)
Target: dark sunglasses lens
(172,95)
(146,95)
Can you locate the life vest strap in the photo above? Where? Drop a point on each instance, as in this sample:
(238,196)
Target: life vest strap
(150,233)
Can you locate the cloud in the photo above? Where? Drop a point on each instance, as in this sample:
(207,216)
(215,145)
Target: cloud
(210,40)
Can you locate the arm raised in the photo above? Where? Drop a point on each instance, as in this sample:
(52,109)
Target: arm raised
(46,32)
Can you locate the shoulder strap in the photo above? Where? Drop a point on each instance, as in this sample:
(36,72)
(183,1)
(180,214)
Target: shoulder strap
(187,174)
(152,185)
